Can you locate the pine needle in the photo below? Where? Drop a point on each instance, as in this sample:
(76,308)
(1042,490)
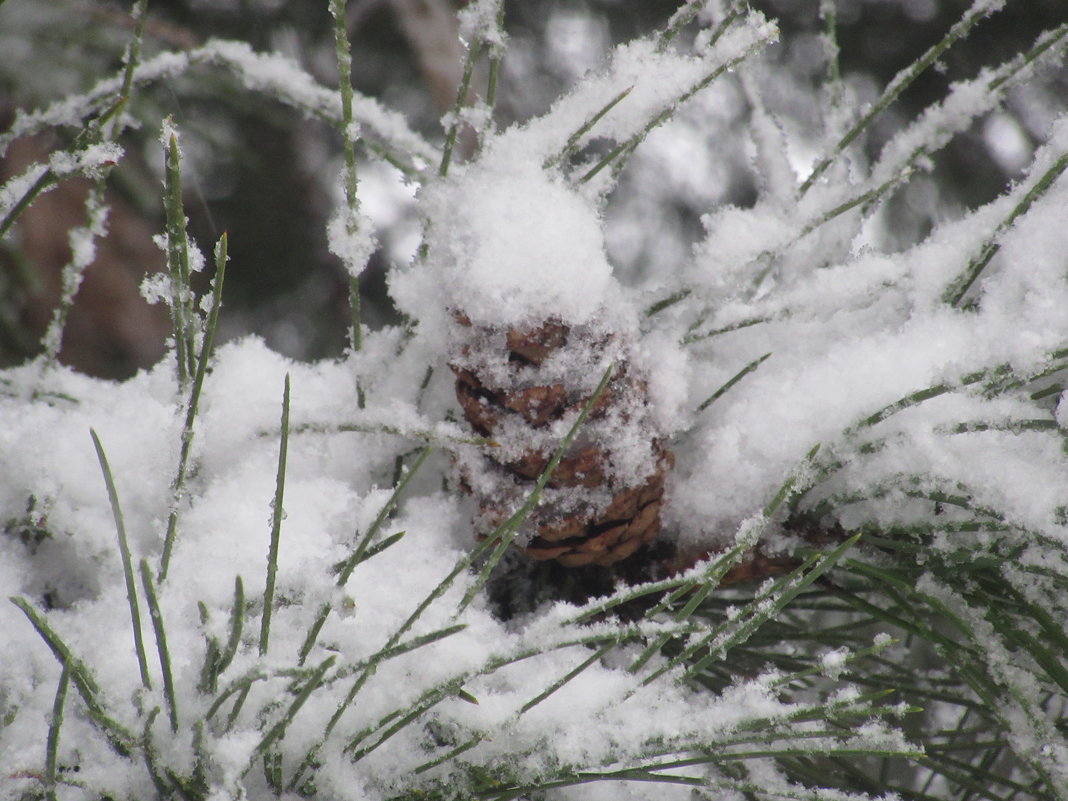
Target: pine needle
(127,562)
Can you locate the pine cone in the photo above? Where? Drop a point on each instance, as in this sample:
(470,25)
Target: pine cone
(524,387)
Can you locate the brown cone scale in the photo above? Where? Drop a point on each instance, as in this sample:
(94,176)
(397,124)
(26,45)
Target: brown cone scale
(511,389)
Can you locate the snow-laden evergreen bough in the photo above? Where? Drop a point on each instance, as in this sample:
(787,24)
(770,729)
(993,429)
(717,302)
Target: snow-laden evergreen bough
(234,575)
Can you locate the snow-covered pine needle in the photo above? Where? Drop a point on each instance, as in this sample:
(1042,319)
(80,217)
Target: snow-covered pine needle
(353,220)
(956,291)
(455,119)
(131,59)
(486,19)
(202,361)
(965,102)
(833,90)
(82,241)
(151,755)
(901,81)
(387,133)
(702,578)
(95,137)
(178,263)
(685,14)
(717,643)
(617,157)
(592,659)
(569,148)
(431,437)
(506,530)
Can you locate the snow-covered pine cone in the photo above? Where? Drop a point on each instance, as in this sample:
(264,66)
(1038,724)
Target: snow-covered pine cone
(524,387)
(516,288)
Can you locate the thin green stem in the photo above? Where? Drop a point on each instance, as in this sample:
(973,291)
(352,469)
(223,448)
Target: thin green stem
(422,435)
(127,562)
(571,145)
(94,131)
(54,725)
(687,13)
(452,754)
(719,393)
(618,155)
(505,533)
(362,552)
(73,271)
(829,14)
(161,643)
(276,523)
(217,658)
(496,56)
(313,633)
(237,619)
(148,750)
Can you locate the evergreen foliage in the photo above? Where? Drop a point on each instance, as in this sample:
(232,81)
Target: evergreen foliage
(874,430)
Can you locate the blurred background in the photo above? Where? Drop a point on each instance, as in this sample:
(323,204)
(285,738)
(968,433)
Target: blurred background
(268,176)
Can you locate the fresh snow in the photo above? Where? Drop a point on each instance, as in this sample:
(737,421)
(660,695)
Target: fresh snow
(847,330)
(508,243)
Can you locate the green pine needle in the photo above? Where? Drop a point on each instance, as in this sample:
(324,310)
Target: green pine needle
(161,643)
(54,725)
(127,562)
(277,513)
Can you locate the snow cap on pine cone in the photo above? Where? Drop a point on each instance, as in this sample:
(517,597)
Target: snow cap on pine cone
(509,243)
(517,286)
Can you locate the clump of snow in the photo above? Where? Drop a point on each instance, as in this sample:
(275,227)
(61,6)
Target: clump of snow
(507,243)
(351,238)
(478,23)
